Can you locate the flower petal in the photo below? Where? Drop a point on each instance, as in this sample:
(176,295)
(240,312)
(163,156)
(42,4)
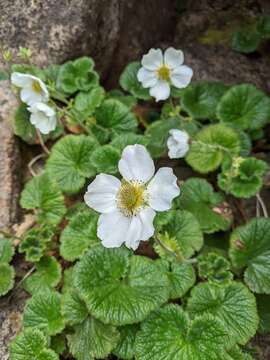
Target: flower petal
(20,79)
(136,164)
(173,58)
(177,143)
(133,234)
(153,59)
(29,96)
(43,117)
(112,228)
(101,193)
(161,91)
(163,189)
(147,216)
(181,76)
(147,78)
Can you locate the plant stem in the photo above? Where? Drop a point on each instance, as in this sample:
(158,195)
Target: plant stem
(32,162)
(11,236)
(261,202)
(41,142)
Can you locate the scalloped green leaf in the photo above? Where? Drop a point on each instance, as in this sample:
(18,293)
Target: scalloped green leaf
(214,268)
(43,311)
(6,278)
(250,250)
(73,309)
(237,354)
(31,344)
(92,340)
(58,343)
(246,40)
(42,194)
(125,348)
(263,306)
(200,100)
(169,334)
(210,146)
(209,208)
(233,304)
(129,100)
(79,235)
(129,82)
(87,102)
(120,288)
(70,162)
(47,275)
(6,250)
(121,141)
(105,159)
(244,106)
(22,126)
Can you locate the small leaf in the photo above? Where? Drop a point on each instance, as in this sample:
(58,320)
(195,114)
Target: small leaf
(264,26)
(214,268)
(200,100)
(6,278)
(70,162)
(92,340)
(43,195)
(105,159)
(87,102)
(22,126)
(233,304)
(250,249)
(244,106)
(43,311)
(79,235)
(58,343)
(6,250)
(31,344)
(125,348)
(119,288)
(199,198)
(130,83)
(263,306)
(169,334)
(210,146)
(246,40)
(47,275)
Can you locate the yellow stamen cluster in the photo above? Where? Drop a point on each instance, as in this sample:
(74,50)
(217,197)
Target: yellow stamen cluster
(36,86)
(164,73)
(131,197)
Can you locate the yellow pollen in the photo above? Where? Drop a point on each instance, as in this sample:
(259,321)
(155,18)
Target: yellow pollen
(164,73)
(36,86)
(130,197)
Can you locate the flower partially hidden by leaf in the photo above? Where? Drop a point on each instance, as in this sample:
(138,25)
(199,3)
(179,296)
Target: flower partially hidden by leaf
(128,208)
(159,71)
(43,117)
(178,143)
(215,268)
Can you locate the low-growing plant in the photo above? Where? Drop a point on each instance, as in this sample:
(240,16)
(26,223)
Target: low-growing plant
(145,265)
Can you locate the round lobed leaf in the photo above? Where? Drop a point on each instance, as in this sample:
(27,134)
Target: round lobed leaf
(214,268)
(246,40)
(87,102)
(105,159)
(125,348)
(73,308)
(6,250)
(6,278)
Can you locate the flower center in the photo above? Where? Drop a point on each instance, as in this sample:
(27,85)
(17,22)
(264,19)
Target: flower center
(36,86)
(164,73)
(131,197)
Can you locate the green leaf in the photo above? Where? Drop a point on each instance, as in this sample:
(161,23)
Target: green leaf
(214,268)
(92,340)
(105,159)
(79,235)
(121,141)
(210,146)
(58,343)
(31,344)
(264,26)
(119,288)
(128,100)
(233,304)
(73,308)
(6,250)
(42,194)
(43,311)
(263,306)
(22,126)
(70,162)
(87,102)
(125,348)
(244,106)
(3,76)
(7,278)
(169,334)
(199,198)
(200,100)
(185,228)
(242,177)
(246,40)
(77,75)
(158,132)
(47,275)
(237,354)
(130,83)
(250,249)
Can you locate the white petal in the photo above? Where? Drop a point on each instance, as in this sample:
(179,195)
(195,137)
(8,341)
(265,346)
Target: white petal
(43,117)
(101,193)
(133,235)
(161,91)
(163,189)
(112,228)
(147,216)
(181,76)
(153,59)
(20,79)
(136,164)
(29,96)
(178,143)
(147,78)
(173,58)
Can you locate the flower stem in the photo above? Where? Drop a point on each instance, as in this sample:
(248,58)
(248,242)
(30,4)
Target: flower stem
(261,202)
(42,144)
(32,162)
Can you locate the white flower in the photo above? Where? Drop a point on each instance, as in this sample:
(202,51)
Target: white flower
(128,208)
(159,71)
(33,89)
(43,117)
(178,143)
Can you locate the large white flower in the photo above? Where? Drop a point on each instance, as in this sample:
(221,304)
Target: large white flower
(43,117)
(159,71)
(33,89)
(178,143)
(128,207)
